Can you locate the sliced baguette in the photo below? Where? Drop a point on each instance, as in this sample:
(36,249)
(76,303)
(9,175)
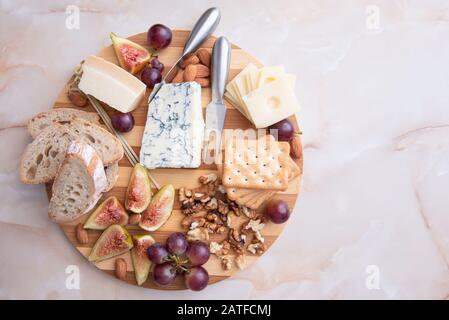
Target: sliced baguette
(59,115)
(43,157)
(78,185)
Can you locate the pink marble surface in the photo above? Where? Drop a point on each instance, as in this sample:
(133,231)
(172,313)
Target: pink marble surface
(373,218)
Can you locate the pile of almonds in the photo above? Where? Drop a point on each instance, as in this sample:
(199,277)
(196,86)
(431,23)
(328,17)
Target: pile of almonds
(195,67)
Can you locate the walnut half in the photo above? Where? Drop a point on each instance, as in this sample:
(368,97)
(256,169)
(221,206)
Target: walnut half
(200,234)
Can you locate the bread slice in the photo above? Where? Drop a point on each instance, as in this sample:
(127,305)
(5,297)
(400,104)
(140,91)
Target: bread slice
(78,185)
(43,157)
(59,115)
(112,172)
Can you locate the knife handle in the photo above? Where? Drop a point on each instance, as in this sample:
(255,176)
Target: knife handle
(221,57)
(203,28)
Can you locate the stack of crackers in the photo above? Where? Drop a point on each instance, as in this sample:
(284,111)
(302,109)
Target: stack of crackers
(253,171)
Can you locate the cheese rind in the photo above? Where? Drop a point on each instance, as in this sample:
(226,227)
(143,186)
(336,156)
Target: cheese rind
(175,127)
(111,84)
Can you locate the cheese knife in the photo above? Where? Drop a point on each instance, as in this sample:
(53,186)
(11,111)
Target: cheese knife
(203,28)
(216,110)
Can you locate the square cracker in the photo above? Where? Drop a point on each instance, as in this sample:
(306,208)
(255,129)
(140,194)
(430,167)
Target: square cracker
(256,164)
(253,198)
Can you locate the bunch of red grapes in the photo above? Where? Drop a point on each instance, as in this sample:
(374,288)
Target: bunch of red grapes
(158,37)
(179,257)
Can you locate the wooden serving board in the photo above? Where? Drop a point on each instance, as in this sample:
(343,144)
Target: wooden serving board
(178,177)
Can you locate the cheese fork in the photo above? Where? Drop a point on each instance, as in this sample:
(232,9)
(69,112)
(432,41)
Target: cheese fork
(216,109)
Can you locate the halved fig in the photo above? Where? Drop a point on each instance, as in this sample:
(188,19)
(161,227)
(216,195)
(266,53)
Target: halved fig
(138,194)
(139,257)
(131,56)
(114,241)
(109,212)
(159,210)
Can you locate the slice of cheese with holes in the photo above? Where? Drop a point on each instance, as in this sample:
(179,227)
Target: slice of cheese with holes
(111,84)
(271,103)
(269,74)
(238,78)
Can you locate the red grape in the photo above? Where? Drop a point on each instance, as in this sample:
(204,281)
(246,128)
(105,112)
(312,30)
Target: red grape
(277,211)
(159,36)
(198,253)
(122,122)
(196,278)
(164,274)
(177,243)
(156,64)
(151,76)
(285,130)
(157,253)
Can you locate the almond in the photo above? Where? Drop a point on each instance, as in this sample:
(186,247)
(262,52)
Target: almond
(202,71)
(120,268)
(190,72)
(77,98)
(295,147)
(204,57)
(179,77)
(203,82)
(81,234)
(134,218)
(190,59)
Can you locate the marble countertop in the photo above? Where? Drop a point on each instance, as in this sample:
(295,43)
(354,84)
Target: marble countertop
(372,220)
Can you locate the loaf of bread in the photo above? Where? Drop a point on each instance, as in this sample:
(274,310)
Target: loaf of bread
(43,156)
(79,184)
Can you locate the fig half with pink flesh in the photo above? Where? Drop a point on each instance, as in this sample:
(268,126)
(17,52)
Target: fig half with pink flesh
(139,257)
(115,240)
(138,193)
(131,56)
(159,210)
(109,212)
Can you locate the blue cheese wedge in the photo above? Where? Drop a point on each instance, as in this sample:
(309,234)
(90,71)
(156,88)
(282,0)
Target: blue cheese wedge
(174,129)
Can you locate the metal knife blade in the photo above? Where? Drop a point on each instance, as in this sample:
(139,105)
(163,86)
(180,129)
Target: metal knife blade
(216,110)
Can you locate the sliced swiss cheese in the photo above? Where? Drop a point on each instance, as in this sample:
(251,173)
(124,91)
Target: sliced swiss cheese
(234,87)
(269,74)
(271,103)
(111,84)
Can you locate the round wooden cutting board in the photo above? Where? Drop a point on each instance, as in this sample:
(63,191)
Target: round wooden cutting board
(178,177)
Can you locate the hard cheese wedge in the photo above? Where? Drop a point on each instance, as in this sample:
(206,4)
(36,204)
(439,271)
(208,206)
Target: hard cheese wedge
(111,84)
(175,127)
(271,103)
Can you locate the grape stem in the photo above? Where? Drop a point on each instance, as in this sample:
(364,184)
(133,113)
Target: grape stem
(177,262)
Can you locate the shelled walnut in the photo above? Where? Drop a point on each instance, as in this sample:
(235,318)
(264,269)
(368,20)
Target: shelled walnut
(240,261)
(226,262)
(256,248)
(202,198)
(209,211)
(236,240)
(200,234)
(223,207)
(191,222)
(250,213)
